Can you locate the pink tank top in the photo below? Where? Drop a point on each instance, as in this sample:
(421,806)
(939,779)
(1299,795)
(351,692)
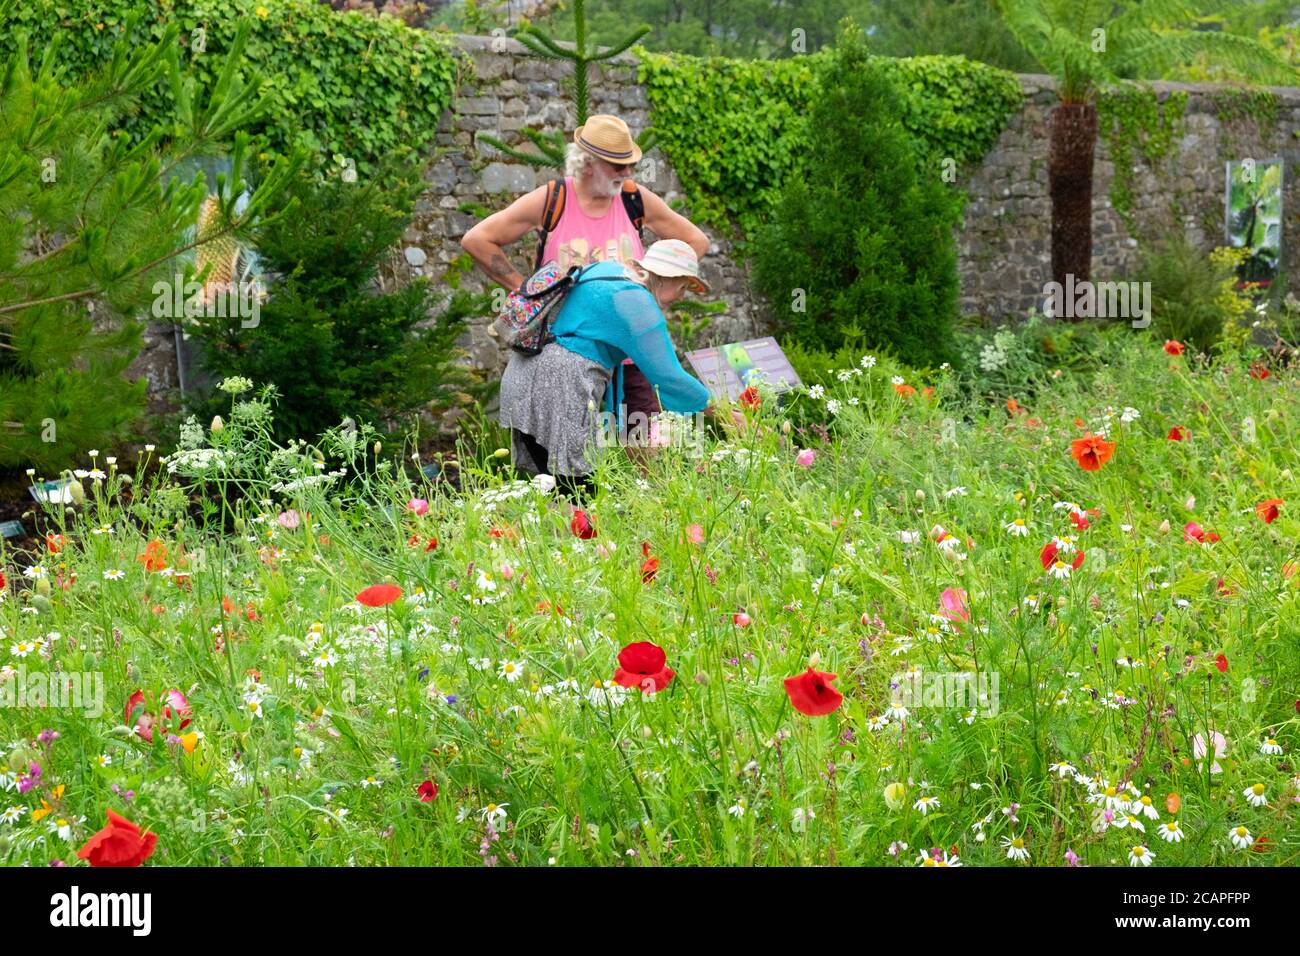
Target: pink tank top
(579,239)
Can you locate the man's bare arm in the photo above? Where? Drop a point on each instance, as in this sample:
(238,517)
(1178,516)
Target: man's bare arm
(485,242)
(667,224)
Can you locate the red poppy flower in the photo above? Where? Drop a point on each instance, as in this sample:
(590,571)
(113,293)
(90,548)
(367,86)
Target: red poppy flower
(1221,662)
(811,693)
(1177,433)
(1192,532)
(741,619)
(119,844)
(379,595)
(1173,347)
(1224,588)
(427,791)
(1091,451)
(750,398)
(1261,845)
(650,566)
(643,665)
(1297,705)
(1258,371)
(1080,521)
(414,541)
(3,582)
(581,525)
(1268,510)
(1050,553)
(54,543)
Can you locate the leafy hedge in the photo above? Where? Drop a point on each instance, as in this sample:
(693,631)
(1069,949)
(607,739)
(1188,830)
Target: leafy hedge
(735,129)
(360,86)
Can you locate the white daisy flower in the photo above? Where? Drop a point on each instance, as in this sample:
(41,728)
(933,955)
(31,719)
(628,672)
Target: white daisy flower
(1271,747)
(1140,856)
(1015,847)
(1255,795)
(1170,832)
(926,804)
(1241,838)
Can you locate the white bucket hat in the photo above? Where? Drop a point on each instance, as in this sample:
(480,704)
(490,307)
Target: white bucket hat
(673,257)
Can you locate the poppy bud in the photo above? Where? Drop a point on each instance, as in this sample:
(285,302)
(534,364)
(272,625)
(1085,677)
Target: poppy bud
(378,447)
(785,427)
(814,658)
(1286,474)
(920,495)
(217,423)
(646,732)
(43,587)
(1164,526)
(701,678)
(894,795)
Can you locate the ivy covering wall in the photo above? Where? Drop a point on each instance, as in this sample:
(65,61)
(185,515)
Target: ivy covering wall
(735,129)
(341,83)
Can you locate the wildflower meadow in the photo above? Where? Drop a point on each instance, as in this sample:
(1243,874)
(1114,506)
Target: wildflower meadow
(879,622)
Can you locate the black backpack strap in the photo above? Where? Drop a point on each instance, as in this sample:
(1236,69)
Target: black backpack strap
(635,206)
(552,212)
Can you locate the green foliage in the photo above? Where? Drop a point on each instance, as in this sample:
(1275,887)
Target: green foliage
(1017,361)
(332,346)
(1087,46)
(748,29)
(736,130)
(1134,122)
(969,28)
(1193,295)
(362,86)
(859,250)
(91,222)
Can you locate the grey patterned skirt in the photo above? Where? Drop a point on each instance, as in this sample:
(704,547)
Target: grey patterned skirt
(556,397)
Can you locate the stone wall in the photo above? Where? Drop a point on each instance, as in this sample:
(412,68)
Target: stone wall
(1003,245)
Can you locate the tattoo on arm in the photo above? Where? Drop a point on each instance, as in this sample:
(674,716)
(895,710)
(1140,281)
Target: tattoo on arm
(500,269)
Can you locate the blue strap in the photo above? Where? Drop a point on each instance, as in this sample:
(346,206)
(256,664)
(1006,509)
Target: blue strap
(614,397)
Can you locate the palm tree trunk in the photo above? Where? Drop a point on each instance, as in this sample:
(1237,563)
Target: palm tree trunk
(1069,177)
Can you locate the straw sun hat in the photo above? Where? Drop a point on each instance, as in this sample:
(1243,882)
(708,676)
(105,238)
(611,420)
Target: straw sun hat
(607,137)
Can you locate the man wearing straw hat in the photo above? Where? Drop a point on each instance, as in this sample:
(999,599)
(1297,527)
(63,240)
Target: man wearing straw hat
(587,223)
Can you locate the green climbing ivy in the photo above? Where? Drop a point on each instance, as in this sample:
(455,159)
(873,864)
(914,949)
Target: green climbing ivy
(1135,123)
(734,130)
(358,86)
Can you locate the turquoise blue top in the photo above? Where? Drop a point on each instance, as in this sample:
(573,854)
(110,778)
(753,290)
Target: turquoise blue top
(609,321)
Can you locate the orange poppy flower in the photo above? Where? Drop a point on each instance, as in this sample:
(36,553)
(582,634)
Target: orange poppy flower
(155,556)
(1091,451)
(1174,347)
